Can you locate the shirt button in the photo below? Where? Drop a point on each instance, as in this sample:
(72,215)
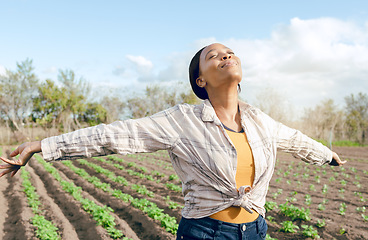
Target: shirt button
(244,228)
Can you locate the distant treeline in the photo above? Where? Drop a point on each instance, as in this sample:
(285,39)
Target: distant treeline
(32,109)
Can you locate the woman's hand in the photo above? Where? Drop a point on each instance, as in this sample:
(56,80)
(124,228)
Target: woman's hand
(336,161)
(25,152)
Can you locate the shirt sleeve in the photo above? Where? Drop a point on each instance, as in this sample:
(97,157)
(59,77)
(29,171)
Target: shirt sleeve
(147,134)
(302,146)
(298,144)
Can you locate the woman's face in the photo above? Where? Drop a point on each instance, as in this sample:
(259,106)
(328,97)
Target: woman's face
(218,66)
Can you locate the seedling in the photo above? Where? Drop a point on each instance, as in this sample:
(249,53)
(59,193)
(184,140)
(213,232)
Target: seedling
(288,226)
(308,200)
(321,223)
(309,231)
(342,208)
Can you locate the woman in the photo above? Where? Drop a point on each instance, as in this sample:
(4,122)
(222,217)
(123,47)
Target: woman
(223,150)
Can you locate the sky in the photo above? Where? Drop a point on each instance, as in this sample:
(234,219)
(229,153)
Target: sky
(305,51)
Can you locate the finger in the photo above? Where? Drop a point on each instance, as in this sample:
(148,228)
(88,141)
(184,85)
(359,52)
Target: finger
(12,162)
(14,172)
(15,152)
(5,172)
(5,166)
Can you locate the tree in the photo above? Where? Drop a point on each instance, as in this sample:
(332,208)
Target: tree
(156,99)
(94,114)
(66,107)
(356,108)
(114,107)
(275,105)
(17,88)
(48,105)
(324,120)
(76,92)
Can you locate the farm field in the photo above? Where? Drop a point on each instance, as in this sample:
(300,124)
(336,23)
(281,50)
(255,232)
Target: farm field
(139,197)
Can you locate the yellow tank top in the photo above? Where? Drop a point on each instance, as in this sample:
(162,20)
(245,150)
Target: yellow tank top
(244,176)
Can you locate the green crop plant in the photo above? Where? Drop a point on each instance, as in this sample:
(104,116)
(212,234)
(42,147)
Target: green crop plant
(309,231)
(291,199)
(269,206)
(157,173)
(343,182)
(342,208)
(317,179)
(173,187)
(312,187)
(271,219)
(308,199)
(101,214)
(44,228)
(321,207)
(345,175)
(289,227)
(168,222)
(356,183)
(132,164)
(173,177)
(321,223)
(268,237)
(294,212)
(142,190)
(324,189)
(361,209)
(342,231)
(174,205)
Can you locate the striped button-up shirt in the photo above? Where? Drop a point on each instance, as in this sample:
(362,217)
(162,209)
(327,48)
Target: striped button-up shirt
(201,152)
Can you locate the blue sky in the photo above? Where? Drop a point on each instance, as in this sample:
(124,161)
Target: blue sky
(298,48)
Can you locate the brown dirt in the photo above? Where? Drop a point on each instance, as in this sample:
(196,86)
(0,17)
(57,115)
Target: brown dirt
(352,221)
(74,223)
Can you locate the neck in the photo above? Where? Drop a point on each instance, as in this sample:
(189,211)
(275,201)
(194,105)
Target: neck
(225,104)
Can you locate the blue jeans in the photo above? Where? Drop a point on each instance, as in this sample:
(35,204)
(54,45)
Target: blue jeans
(208,228)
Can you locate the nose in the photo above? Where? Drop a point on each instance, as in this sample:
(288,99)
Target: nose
(226,56)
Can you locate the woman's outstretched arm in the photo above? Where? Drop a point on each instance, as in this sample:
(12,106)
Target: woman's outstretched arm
(25,152)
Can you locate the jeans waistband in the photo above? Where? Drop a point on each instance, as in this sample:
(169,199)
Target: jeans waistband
(226,226)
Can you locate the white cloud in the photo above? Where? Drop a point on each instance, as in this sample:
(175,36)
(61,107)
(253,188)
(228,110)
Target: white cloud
(142,64)
(177,69)
(306,60)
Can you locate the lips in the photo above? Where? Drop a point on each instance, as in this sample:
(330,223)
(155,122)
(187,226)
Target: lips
(229,63)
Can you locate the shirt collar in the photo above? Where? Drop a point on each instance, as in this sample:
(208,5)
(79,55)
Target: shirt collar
(208,112)
(209,115)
